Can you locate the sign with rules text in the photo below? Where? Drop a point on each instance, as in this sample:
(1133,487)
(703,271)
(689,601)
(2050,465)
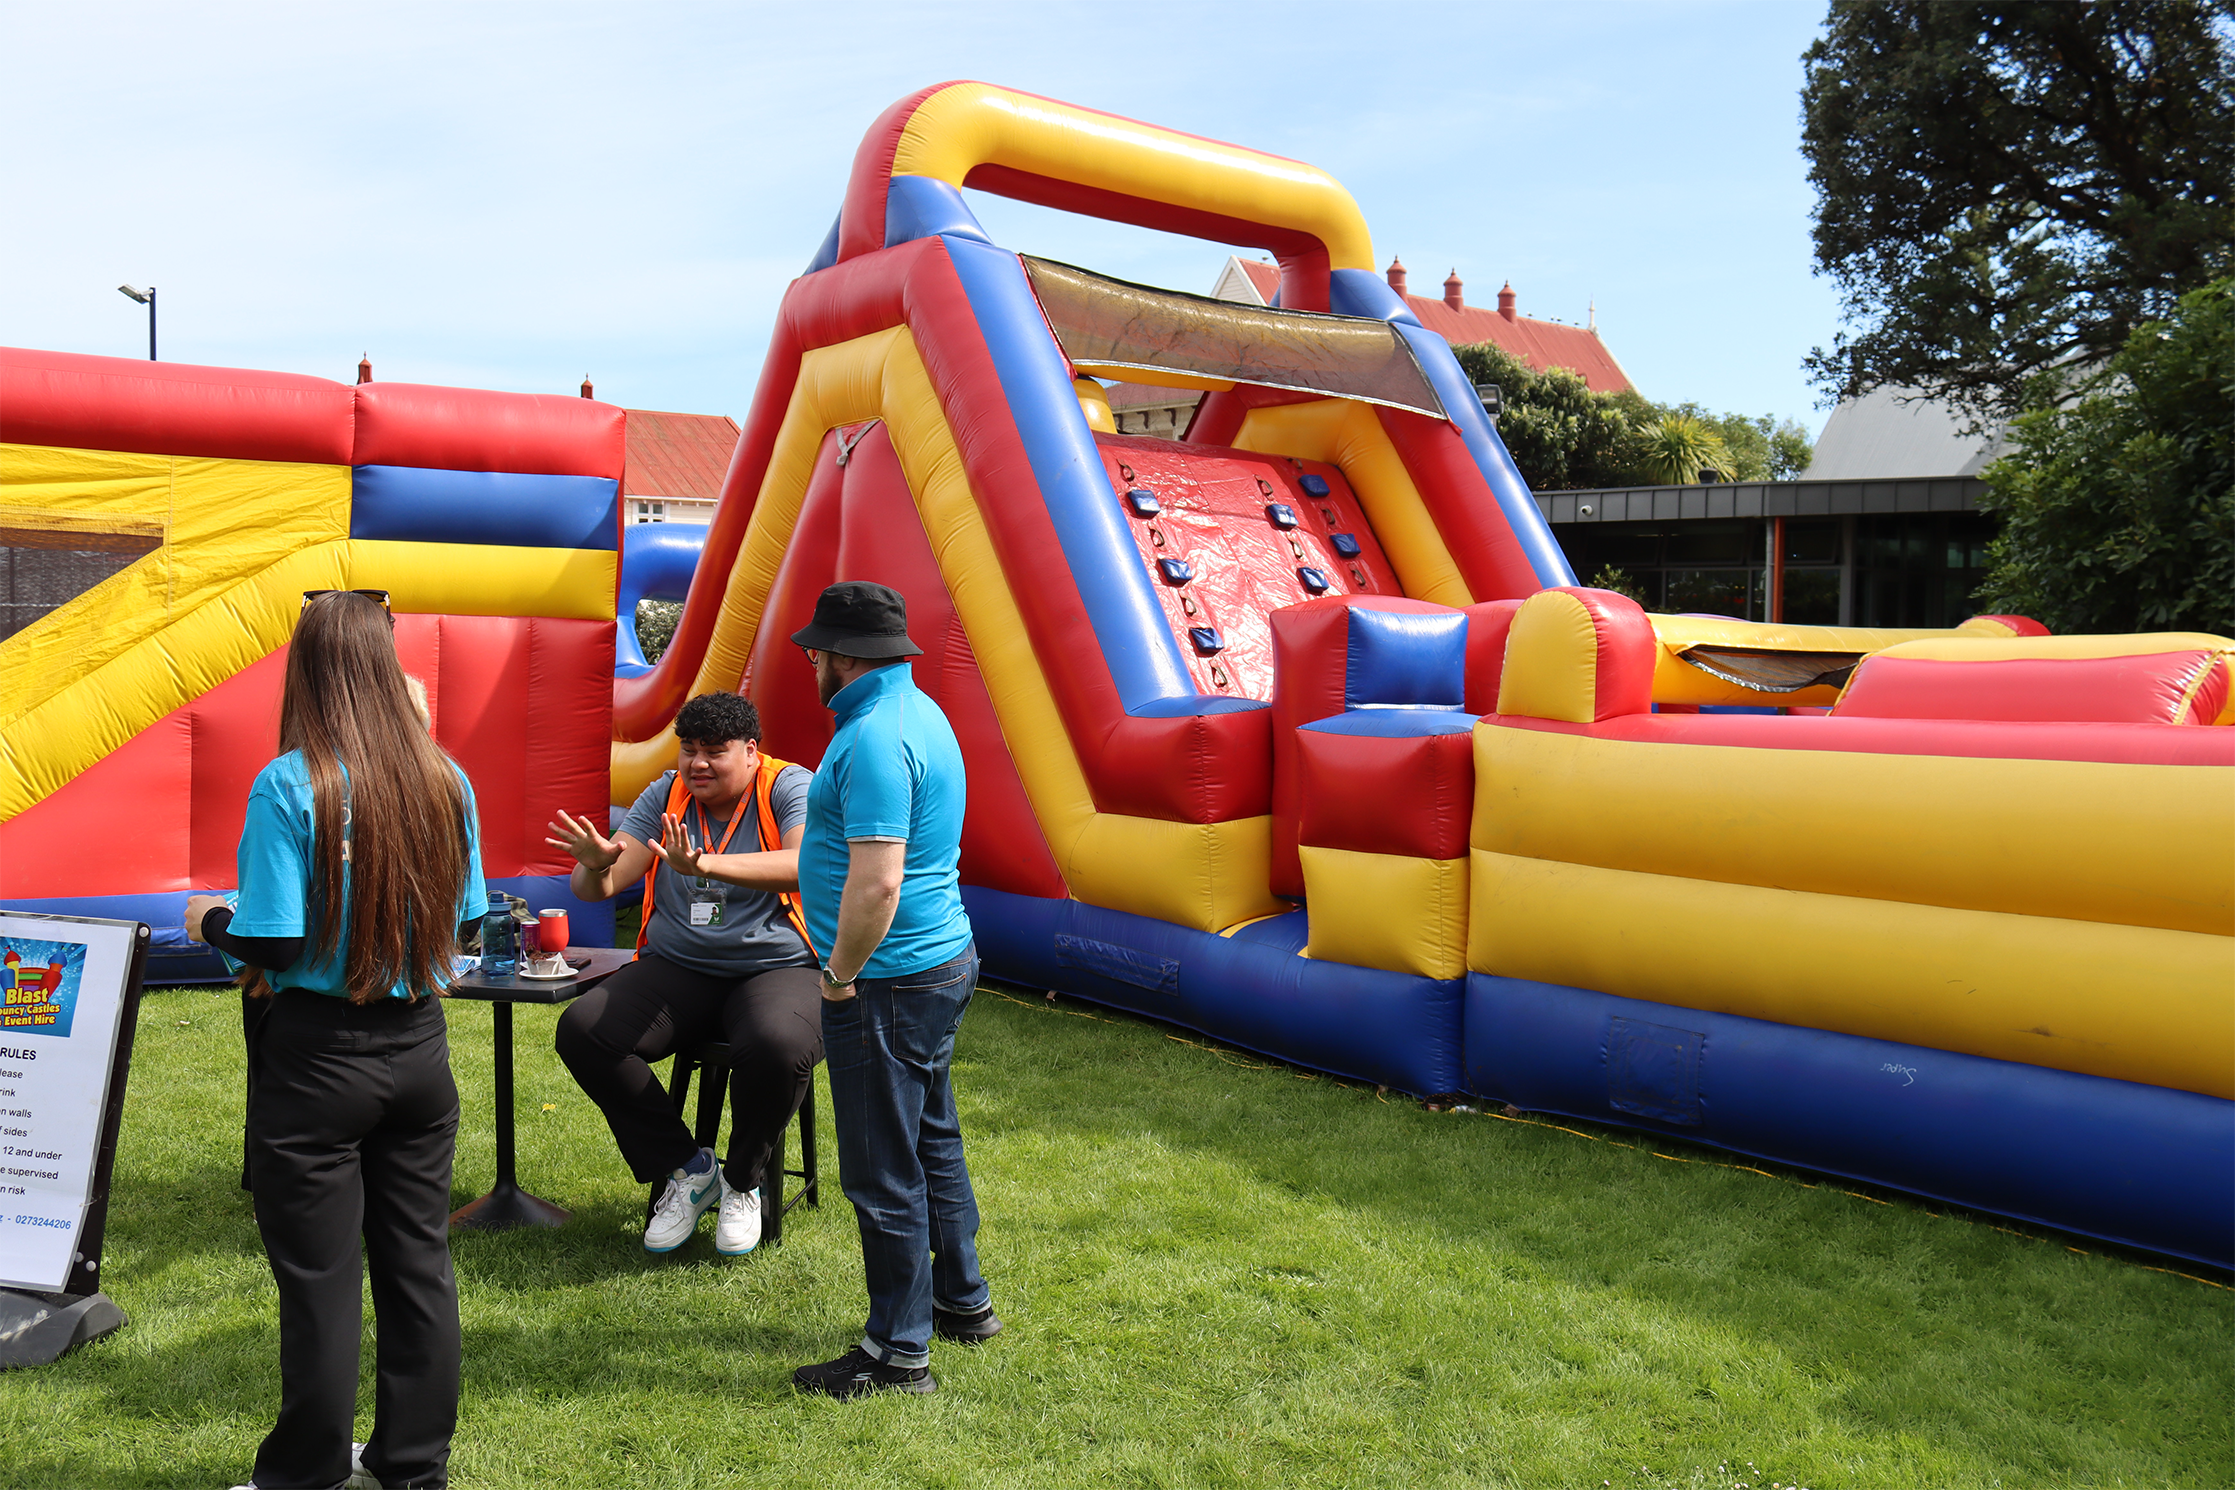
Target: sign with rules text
(65,987)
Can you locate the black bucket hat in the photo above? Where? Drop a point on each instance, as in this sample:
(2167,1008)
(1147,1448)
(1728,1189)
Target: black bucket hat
(856,618)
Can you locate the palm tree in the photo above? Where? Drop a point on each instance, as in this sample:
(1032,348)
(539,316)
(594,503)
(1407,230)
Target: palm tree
(1677,447)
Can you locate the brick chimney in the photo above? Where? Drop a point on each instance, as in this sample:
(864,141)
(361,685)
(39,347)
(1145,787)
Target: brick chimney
(1452,289)
(364,367)
(586,393)
(1505,303)
(1397,274)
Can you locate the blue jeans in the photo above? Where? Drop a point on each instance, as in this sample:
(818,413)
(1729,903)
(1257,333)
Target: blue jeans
(900,1151)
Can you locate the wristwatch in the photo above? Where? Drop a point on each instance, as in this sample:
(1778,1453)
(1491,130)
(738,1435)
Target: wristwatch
(832,980)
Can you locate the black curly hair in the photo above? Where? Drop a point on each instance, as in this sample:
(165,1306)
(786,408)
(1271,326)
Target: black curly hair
(716,718)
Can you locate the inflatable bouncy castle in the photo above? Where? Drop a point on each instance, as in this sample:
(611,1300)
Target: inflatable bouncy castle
(161,523)
(1298,731)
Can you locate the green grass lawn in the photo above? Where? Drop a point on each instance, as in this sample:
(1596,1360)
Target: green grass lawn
(1216,1271)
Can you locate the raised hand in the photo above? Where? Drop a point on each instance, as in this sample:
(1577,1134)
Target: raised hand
(581,838)
(675,846)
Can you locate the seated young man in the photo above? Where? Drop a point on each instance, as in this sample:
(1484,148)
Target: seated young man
(723,955)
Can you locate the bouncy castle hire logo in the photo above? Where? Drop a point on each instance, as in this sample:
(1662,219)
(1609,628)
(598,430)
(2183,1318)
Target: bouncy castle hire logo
(38,985)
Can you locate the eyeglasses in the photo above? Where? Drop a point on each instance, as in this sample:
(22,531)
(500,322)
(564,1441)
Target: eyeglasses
(380,596)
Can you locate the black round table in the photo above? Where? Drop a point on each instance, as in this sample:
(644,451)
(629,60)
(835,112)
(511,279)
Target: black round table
(507,1205)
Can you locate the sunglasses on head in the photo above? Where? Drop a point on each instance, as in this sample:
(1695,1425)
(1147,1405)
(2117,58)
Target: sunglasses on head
(379,596)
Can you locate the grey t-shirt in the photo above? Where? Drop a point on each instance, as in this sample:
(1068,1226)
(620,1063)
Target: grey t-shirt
(753,934)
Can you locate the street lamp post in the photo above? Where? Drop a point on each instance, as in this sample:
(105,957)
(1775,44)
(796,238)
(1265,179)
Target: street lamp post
(146,297)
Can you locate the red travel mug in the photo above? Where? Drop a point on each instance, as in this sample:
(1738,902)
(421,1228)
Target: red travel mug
(551,933)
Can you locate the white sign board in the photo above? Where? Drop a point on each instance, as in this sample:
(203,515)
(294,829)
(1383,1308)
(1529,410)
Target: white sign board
(62,994)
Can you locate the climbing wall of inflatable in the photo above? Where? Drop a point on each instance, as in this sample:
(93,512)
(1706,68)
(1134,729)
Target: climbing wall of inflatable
(135,712)
(1298,731)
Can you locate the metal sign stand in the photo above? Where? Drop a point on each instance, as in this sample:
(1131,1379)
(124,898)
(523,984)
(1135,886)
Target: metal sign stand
(36,1328)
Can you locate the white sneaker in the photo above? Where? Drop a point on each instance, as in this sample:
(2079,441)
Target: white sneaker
(737,1230)
(681,1204)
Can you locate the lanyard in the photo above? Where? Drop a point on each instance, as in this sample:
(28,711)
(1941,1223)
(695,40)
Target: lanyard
(708,896)
(706,834)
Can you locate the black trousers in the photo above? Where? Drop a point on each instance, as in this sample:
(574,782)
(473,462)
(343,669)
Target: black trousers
(252,1014)
(652,1008)
(352,1120)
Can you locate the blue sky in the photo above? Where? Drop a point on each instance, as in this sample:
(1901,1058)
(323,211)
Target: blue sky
(513,195)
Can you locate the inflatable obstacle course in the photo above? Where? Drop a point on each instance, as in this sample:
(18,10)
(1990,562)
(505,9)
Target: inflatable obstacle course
(1298,731)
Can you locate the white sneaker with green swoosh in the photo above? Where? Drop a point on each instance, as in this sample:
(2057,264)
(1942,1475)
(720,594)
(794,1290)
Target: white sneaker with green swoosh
(687,1197)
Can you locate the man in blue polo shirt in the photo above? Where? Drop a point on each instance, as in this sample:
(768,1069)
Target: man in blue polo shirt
(878,881)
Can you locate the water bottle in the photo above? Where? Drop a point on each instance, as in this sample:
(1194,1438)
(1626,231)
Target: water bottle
(500,947)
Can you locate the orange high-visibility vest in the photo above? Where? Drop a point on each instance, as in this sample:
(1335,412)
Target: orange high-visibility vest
(764,787)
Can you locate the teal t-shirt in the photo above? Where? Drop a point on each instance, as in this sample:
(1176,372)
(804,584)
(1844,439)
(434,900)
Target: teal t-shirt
(276,867)
(893,771)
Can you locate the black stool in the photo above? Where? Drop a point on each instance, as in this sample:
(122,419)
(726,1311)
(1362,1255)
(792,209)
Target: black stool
(712,1060)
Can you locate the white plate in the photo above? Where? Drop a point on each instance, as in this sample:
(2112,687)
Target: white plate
(571,972)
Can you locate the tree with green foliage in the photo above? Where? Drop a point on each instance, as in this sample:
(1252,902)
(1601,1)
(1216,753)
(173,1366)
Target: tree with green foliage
(2006,188)
(656,621)
(1619,580)
(1561,434)
(2118,504)
(1564,437)
(1760,448)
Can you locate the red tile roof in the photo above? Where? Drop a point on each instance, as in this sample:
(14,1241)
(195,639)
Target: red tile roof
(1541,344)
(1265,275)
(677,455)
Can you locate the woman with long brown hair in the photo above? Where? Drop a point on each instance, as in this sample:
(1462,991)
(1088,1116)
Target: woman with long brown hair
(360,870)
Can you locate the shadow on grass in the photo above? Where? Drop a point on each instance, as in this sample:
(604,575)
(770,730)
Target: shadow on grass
(229,1374)
(184,1215)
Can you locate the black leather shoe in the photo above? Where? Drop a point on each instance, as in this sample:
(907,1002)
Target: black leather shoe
(858,1373)
(965,1329)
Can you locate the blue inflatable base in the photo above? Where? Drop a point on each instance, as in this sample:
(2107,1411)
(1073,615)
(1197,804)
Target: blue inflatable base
(1251,989)
(2142,1166)
(174,959)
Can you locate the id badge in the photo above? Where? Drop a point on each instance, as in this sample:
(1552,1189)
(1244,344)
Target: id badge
(706,903)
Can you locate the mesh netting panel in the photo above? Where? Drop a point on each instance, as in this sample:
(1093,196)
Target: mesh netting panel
(48,561)
(1773,672)
(1109,323)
